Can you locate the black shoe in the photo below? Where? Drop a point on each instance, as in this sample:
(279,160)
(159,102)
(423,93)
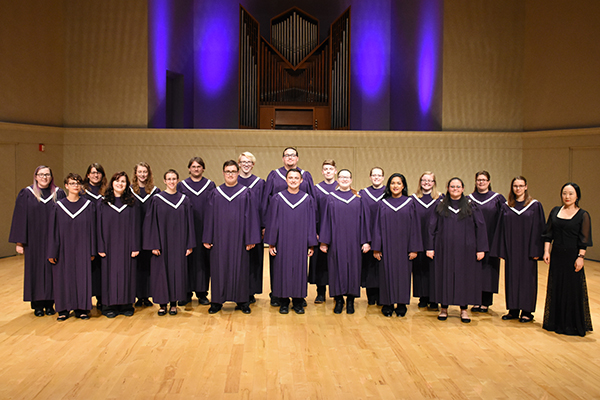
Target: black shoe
(148,303)
(401,310)
(298,309)
(350,306)
(162,311)
(214,308)
(244,307)
(284,309)
(275,301)
(465,320)
(63,316)
(371,301)
(83,316)
(50,311)
(203,300)
(443,317)
(98,305)
(476,309)
(139,303)
(320,299)
(304,303)
(422,303)
(432,306)
(387,310)
(339,306)
(484,309)
(173,310)
(39,312)
(185,302)
(110,314)
(252,300)
(509,316)
(128,313)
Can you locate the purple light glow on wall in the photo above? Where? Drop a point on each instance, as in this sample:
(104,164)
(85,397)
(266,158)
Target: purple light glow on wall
(159,34)
(217,35)
(370,59)
(427,67)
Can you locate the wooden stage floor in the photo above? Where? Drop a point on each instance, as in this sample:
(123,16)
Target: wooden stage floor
(318,355)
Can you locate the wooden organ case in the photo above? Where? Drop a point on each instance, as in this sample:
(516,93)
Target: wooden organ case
(293,81)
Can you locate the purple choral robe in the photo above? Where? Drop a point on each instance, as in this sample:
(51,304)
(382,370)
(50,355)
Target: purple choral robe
(292,230)
(317,270)
(344,230)
(30,227)
(490,204)
(422,267)
(396,232)
(456,243)
(144,258)
(518,240)
(231,223)
(276,183)
(119,235)
(169,227)
(370,266)
(72,242)
(199,260)
(93,194)
(257,254)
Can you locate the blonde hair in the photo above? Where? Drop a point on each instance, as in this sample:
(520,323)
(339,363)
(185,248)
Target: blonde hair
(247,154)
(135,185)
(434,193)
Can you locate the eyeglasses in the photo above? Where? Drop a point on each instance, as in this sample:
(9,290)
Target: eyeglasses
(427,181)
(518,186)
(73,184)
(246,163)
(230,172)
(344,177)
(290,155)
(44,175)
(95,173)
(481,180)
(377,176)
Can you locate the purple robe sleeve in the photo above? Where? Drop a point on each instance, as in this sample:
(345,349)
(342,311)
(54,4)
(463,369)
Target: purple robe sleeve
(209,220)
(376,239)
(53,237)
(93,232)
(365,227)
(432,229)
(312,223)
(415,243)
(151,237)
(310,186)
(252,225)
(189,222)
(536,243)
(325,227)
(498,245)
(272,230)
(18,228)
(99,228)
(480,230)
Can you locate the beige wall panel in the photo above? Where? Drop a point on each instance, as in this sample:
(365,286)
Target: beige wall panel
(483,65)
(585,173)
(106,63)
(7,200)
(561,85)
(32,61)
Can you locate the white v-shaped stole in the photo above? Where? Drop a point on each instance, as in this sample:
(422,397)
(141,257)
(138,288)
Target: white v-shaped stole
(321,189)
(344,200)
(283,176)
(423,203)
(95,196)
(524,208)
(482,202)
(289,203)
(47,199)
(146,197)
(175,206)
(196,193)
(69,213)
(117,209)
(396,208)
(372,196)
(232,197)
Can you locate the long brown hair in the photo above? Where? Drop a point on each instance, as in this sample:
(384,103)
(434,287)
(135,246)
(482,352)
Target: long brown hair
(511,195)
(135,185)
(103,182)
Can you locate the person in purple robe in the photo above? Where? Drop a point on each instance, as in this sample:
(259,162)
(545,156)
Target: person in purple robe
(427,198)
(118,222)
(518,240)
(289,247)
(169,233)
(197,188)
(396,239)
(371,196)
(29,231)
(567,236)
(231,230)
(71,248)
(490,204)
(344,233)
(274,184)
(94,185)
(457,244)
(256,185)
(142,187)
(317,270)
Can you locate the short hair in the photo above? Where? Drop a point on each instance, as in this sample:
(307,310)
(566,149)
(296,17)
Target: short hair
(199,160)
(329,161)
(73,176)
(249,155)
(229,163)
(371,171)
(293,170)
(290,148)
(171,171)
(577,191)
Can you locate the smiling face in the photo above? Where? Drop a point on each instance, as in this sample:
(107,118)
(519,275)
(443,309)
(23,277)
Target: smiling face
(95,177)
(344,180)
(329,172)
(230,174)
(483,183)
(427,182)
(119,186)
(290,159)
(519,187)
(246,164)
(171,181)
(43,178)
(456,189)
(569,196)
(196,171)
(141,173)
(293,179)
(376,178)
(396,187)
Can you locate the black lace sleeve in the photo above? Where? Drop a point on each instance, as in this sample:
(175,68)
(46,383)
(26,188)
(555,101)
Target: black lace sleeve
(585,234)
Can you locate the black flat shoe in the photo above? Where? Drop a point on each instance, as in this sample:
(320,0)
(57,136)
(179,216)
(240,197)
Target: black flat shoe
(128,313)
(320,299)
(387,311)
(484,310)
(442,317)
(214,308)
(422,304)
(148,303)
(62,317)
(275,301)
(304,303)
(525,319)
(252,300)
(245,308)
(509,317)
(173,310)
(38,312)
(339,306)
(110,314)
(476,309)
(203,300)
(284,309)
(139,303)
(83,316)
(298,310)
(432,307)
(50,311)
(401,311)
(162,311)
(184,303)
(465,320)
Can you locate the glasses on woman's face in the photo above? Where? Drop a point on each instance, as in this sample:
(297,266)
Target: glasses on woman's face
(43,175)
(518,186)
(427,181)
(481,180)
(96,173)
(344,177)
(73,184)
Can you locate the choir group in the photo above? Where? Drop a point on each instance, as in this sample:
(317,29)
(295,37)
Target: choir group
(126,242)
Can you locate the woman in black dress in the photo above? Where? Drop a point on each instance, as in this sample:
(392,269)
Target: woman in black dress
(568,234)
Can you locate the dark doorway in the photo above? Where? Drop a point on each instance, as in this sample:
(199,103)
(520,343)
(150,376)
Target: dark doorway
(175,100)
